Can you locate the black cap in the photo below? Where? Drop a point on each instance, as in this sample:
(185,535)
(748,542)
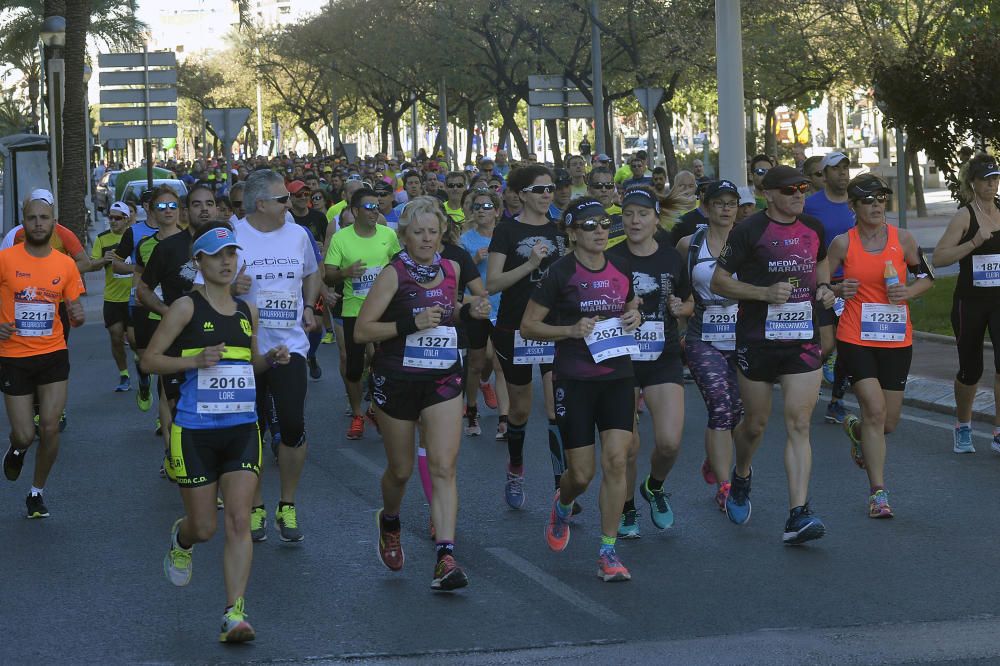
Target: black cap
(583,208)
(983,169)
(866,185)
(719,187)
(640,196)
(782,176)
(562,177)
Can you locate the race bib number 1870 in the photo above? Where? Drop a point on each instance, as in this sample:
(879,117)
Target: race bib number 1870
(986,270)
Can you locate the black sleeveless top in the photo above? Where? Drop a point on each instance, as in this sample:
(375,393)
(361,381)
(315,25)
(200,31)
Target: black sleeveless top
(964,288)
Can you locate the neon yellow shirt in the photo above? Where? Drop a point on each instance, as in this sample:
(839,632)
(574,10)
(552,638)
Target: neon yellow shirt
(347,247)
(116,287)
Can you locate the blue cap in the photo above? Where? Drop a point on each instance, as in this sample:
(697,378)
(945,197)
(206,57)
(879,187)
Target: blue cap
(214,240)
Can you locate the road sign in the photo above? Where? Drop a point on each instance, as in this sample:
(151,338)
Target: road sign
(136,60)
(560,112)
(138,96)
(560,97)
(137,114)
(157,77)
(226,124)
(543,81)
(110,132)
(649,98)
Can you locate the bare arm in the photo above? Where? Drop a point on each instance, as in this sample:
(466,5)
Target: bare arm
(155,360)
(948,250)
(368,328)
(724,284)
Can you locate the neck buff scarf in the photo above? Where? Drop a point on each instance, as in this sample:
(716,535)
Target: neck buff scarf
(419,272)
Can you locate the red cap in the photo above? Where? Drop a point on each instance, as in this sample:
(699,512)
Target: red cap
(296,186)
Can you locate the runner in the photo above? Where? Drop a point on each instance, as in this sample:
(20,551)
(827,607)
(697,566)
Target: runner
(972,239)
(587,306)
(315,223)
(661,284)
(521,252)
(214,442)
(355,258)
(874,337)
(279,273)
(411,311)
(710,339)
(117,287)
(34,359)
(780,258)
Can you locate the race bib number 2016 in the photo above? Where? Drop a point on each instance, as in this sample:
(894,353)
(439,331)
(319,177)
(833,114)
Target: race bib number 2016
(226,389)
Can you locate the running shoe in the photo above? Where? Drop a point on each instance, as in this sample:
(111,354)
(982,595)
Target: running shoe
(659,508)
(473,429)
(177,562)
(327,338)
(370,415)
(348,411)
(557,528)
(124,385)
(235,628)
(288,524)
(13,461)
(314,370)
(828,364)
(878,505)
(738,503)
(390,550)
(802,526)
(513,489)
(708,474)
(996,443)
(501,431)
(143,397)
(835,412)
(448,575)
(258,524)
(851,423)
(357,428)
(963,440)
(63,421)
(36,506)
(489,395)
(610,569)
(722,494)
(628,526)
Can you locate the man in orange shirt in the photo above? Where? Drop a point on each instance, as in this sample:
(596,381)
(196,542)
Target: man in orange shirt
(33,354)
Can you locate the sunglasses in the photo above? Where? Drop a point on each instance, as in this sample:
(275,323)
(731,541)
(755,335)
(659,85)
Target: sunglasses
(760,171)
(318,197)
(483,206)
(881,197)
(371,205)
(236,203)
(280,199)
(164,205)
(591,225)
(789,190)
(455,186)
(540,189)
(301,195)
(603,186)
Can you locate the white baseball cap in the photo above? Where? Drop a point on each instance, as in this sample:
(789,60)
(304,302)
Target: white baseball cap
(120,207)
(746,195)
(41,195)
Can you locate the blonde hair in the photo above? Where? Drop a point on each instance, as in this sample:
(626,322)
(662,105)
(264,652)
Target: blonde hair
(965,192)
(423,205)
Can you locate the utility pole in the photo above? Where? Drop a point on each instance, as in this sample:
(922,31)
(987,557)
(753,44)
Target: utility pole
(598,80)
(729,67)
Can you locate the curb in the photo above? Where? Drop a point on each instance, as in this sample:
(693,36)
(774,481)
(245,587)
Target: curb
(939,396)
(948,339)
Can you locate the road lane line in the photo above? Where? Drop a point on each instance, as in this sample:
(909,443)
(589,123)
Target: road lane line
(555,586)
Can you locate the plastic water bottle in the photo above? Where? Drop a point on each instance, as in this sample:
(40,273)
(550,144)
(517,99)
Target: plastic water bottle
(890,275)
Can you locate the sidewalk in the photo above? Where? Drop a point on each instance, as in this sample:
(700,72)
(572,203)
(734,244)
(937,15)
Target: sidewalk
(932,374)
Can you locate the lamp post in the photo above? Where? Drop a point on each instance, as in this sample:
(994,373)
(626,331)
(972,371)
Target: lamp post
(88,172)
(53,35)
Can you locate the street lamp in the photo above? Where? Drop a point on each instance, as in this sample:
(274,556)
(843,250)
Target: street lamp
(88,173)
(53,35)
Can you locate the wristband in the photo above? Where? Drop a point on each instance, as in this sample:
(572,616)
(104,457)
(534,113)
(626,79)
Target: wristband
(406,325)
(311,307)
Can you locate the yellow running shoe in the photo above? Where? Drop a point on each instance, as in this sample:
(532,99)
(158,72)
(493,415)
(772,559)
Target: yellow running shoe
(235,628)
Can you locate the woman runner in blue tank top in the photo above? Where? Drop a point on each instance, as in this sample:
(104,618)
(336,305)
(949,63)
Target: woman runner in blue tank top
(210,337)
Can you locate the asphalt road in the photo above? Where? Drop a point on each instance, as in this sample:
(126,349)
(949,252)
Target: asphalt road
(86,585)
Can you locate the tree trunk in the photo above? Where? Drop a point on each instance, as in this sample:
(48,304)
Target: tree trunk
(507,110)
(918,179)
(841,125)
(832,128)
(470,121)
(664,121)
(383,135)
(770,125)
(313,137)
(397,143)
(552,129)
(76,161)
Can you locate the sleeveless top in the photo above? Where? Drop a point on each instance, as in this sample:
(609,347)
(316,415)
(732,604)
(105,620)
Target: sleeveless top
(972,269)
(701,266)
(224,395)
(861,323)
(410,299)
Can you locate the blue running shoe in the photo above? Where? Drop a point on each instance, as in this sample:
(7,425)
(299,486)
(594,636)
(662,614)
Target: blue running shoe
(963,440)
(513,490)
(628,526)
(738,502)
(828,364)
(659,508)
(835,412)
(802,526)
(124,385)
(996,443)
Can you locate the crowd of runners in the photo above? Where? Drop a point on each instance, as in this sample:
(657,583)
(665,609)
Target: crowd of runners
(439,287)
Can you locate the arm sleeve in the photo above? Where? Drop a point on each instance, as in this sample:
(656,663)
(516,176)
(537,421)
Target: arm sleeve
(547,291)
(735,251)
(152,268)
(125,245)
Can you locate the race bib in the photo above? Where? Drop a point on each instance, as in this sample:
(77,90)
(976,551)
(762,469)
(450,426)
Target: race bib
(434,348)
(277,309)
(650,339)
(882,322)
(363,284)
(986,270)
(226,389)
(718,323)
(789,321)
(609,340)
(34,320)
(531,352)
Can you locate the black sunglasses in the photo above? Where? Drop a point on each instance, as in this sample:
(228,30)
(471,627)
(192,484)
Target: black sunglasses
(603,186)
(280,199)
(789,190)
(591,225)
(881,197)
(540,189)
(760,171)
(455,185)
(483,206)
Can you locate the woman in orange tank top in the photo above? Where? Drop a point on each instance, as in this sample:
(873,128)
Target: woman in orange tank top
(874,335)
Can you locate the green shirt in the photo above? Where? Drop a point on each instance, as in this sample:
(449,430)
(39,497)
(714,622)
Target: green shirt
(116,286)
(335,210)
(346,248)
(457,215)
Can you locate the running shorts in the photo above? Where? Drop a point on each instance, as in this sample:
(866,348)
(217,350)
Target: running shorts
(668,369)
(583,406)
(768,362)
(21,375)
(479,332)
(287,387)
(889,365)
(516,374)
(115,313)
(405,399)
(200,457)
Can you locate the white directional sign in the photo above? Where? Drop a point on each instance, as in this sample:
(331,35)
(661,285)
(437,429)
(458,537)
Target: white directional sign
(553,97)
(137,114)
(157,77)
(138,93)
(110,132)
(138,96)
(136,60)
